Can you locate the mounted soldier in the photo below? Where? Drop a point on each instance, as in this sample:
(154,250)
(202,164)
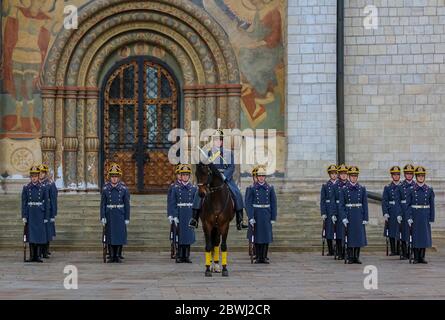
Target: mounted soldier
(224,161)
(115,212)
(328,207)
(36,213)
(391,210)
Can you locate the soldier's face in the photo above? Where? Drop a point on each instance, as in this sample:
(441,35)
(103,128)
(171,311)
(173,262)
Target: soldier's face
(185,177)
(409,176)
(42,175)
(420,178)
(353,178)
(343,176)
(114,179)
(333,176)
(261,179)
(217,142)
(34,178)
(178,176)
(395,177)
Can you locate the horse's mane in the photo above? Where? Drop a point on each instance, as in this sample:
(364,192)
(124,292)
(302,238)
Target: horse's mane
(212,167)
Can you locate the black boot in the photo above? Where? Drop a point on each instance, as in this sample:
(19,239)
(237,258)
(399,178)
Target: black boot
(416,255)
(330,248)
(187,254)
(109,254)
(119,252)
(195,218)
(350,253)
(422,256)
(403,248)
(392,242)
(339,249)
(44,253)
(257,253)
(110,258)
(31,252)
(239,220)
(357,256)
(398,247)
(266,258)
(180,254)
(116,254)
(37,249)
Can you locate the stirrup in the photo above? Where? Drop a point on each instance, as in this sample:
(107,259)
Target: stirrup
(193,223)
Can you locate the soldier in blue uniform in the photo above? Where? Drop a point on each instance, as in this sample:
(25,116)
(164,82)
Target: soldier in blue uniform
(115,212)
(182,196)
(328,207)
(421,214)
(261,206)
(246,195)
(354,214)
(51,225)
(405,188)
(35,213)
(170,199)
(342,171)
(391,210)
(225,163)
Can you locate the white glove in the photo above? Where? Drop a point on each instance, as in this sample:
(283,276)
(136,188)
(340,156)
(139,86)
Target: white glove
(53,220)
(345,221)
(223,177)
(365,222)
(410,222)
(272,221)
(324,217)
(399,219)
(176,220)
(25,220)
(170,218)
(127,222)
(386,216)
(45,221)
(103,221)
(252,222)
(334,219)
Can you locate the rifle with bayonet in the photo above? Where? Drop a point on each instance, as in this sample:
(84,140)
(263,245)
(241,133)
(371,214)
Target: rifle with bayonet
(174,239)
(323,236)
(252,243)
(25,240)
(104,244)
(387,236)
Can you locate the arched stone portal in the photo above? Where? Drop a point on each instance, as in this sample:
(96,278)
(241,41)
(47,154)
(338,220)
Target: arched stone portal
(208,70)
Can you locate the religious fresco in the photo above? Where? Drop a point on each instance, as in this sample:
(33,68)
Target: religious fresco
(255,28)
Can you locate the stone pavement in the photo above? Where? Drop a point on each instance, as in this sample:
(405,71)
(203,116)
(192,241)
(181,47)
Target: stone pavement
(155,276)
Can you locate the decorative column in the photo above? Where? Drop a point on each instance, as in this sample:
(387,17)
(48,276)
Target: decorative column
(234,110)
(48,141)
(80,132)
(210,106)
(70,141)
(92,142)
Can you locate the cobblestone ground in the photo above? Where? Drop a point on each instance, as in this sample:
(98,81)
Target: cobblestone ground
(155,276)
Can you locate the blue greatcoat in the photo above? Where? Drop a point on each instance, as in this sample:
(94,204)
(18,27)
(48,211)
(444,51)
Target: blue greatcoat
(328,207)
(261,205)
(115,207)
(183,195)
(36,209)
(354,207)
(246,196)
(422,217)
(405,189)
(391,205)
(340,185)
(170,200)
(53,193)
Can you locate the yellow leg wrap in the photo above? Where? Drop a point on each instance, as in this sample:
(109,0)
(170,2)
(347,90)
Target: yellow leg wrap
(208,258)
(224,258)
(216,254)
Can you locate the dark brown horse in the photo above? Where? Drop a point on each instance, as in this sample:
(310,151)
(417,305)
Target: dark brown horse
(216,213)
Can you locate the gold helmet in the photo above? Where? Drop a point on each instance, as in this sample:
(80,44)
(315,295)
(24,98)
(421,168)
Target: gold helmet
(218,134)
(353,170)
(332,169)
(420,171)
(177,168)
(395,170)
(254,171)
(114,170)
(43,168)
(185,168)
(261,171)
(409,168)
(34,170)
(342,168)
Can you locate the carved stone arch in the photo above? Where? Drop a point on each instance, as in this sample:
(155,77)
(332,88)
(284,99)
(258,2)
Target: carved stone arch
(70,140)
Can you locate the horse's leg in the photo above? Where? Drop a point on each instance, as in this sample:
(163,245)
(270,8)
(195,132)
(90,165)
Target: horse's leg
(224,233)
(208,247)
(216,239)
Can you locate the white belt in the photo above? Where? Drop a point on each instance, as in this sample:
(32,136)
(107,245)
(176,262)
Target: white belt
(392,202)
(403,201)
(420,207)
(112,206)
(353,205)
(337,201)
(35,204)
(261,205)
(185,204)
(328,201)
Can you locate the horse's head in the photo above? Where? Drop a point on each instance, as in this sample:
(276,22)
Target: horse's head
(206,175)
